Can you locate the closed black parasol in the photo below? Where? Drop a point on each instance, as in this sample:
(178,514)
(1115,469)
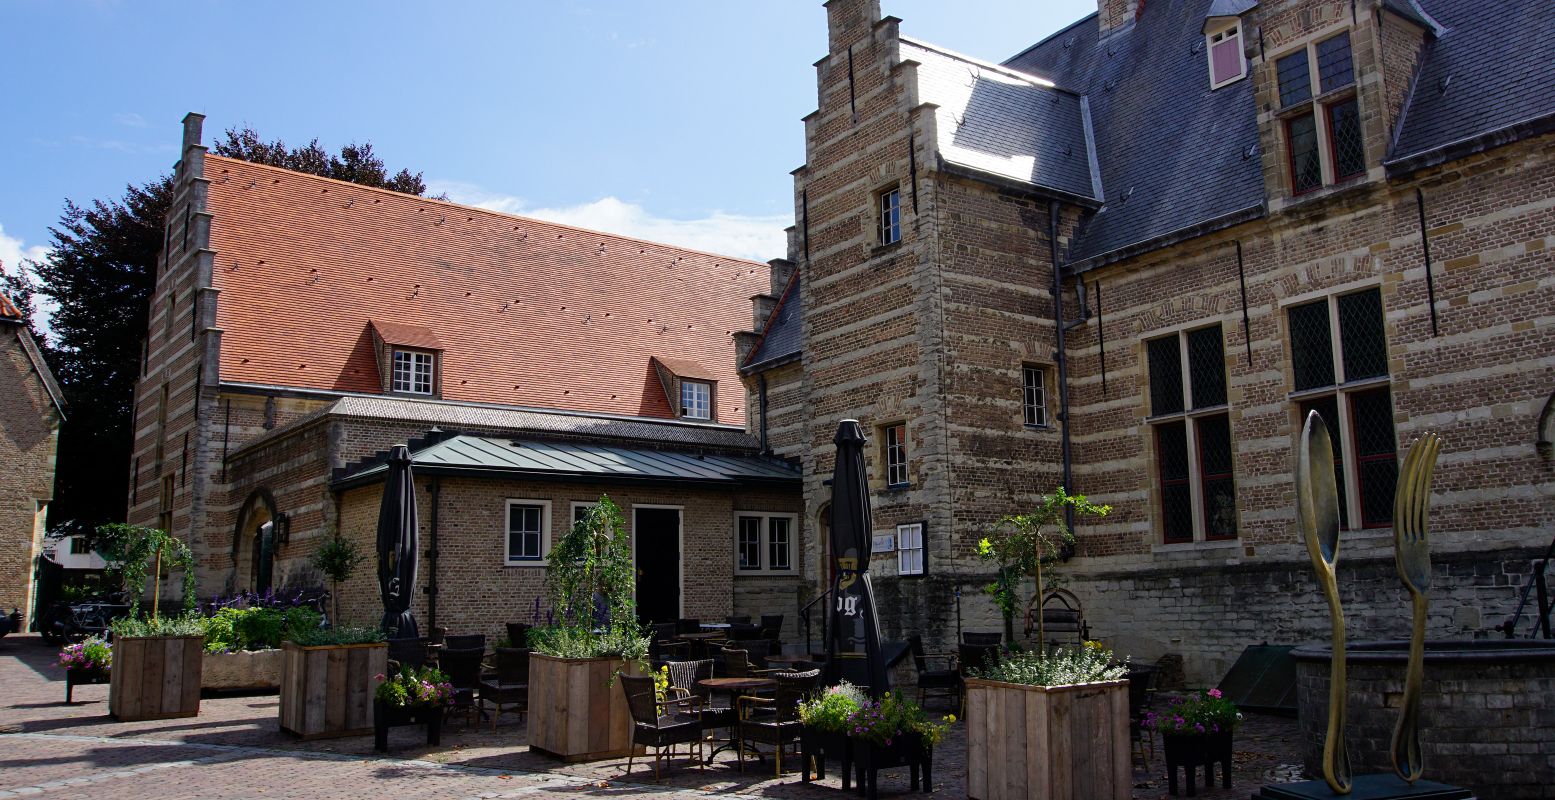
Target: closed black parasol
(397,545)
(853,649)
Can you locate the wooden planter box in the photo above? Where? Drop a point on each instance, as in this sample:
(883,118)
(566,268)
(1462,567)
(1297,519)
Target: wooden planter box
(1047,742)
(576,711)
(328,690)
(245,670)
(155,677)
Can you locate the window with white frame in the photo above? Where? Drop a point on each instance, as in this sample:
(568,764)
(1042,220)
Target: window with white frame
(528,532)
(1034,394)
(764,542)
(909,549)
(1227,65)
(412,372)
(1319,106)
(1339,366)
(895,447)
(1191,427)
(890,223)
(696,400)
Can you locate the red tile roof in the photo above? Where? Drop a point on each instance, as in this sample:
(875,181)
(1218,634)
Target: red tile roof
(528,313)
(8,309)
(407,335)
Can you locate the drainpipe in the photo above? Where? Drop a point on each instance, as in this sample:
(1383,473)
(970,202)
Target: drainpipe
(434,487)
(1059,357)
(761,389)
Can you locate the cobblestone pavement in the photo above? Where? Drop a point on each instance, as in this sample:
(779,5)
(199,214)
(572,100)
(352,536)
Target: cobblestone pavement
(234,749)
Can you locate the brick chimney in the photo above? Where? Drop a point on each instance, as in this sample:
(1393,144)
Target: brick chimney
(1117,15)
(848,21)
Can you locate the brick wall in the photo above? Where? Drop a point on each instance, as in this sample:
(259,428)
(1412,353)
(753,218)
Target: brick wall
(29,438)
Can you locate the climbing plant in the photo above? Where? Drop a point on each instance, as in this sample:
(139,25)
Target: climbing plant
(134,550)
(592,582)
(1025,544)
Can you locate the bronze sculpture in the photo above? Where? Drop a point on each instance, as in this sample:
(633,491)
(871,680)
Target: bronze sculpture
(1412,555)
(1317,513)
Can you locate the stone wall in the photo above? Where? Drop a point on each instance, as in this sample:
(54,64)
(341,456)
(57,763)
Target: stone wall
(29,439)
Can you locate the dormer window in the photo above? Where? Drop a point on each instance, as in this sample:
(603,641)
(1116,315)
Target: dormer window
(412,372)
(696,400)
(1321,113)
(1227,65)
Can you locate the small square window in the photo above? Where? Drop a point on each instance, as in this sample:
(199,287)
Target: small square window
(412,372)
(1226,63)
(909,549)
(764,542)
(890,216)
(896,455)
(696,400)
(526,532)
(1035,395)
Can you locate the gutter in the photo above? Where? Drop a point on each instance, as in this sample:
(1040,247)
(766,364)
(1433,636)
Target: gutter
(506,473)
(1019,187)
(1060,357)
(1170,238)
(1406,166)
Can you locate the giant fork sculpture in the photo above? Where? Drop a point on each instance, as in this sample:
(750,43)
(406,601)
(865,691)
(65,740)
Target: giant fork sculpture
(1317,513)
(1412,554)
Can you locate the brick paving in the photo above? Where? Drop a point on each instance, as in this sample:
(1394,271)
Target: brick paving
(234,749)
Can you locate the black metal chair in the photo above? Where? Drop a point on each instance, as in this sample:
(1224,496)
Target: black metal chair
(781,727)
(679,724)
(663,647)
(509,685)
(945,681)
(975,637)
(518,634)
(465,641)
(463,668)
(746,620)
(772,627)
(408,652)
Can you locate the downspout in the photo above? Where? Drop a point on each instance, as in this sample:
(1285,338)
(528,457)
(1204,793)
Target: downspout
(1060,359)
(435,488)
(761,391)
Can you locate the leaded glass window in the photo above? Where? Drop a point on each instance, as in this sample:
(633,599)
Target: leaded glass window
(1176,495)
(1344,130)
(1376,455)
(1165,375)
(1306,165)
(1215,478)
(1361,336)
(1295,79)
(1311,346)
(1207,367)
(1333,63)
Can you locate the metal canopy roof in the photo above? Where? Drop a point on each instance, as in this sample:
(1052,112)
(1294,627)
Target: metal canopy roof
(501,457)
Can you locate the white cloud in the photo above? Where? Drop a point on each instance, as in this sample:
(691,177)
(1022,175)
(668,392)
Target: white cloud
(759,238)
(130,119)
(14,255)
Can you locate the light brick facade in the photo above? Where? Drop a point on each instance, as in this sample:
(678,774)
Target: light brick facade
(30,416)
(934,332)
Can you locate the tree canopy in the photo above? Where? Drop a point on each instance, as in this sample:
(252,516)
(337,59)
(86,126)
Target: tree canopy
(100,274)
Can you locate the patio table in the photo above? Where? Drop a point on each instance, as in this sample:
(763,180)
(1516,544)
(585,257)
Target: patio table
(715,626)
(735,687)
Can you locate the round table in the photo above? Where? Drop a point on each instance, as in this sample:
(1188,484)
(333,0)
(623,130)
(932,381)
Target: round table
(699,637)
(715,626)
(737,684)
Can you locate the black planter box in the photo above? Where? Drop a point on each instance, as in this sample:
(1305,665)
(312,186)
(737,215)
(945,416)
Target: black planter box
(823,746)
(1191,751)
(387,716)
(908,751)
(83,677)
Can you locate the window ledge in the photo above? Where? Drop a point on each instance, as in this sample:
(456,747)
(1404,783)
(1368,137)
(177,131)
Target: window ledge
(896,487)
(1205,545)
(882,249)
(1323,391)
(524,564)
(766,573)
(1045,428)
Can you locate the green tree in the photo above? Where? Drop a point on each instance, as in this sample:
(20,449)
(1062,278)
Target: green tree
(1025,544)
(100,275)
(337,559)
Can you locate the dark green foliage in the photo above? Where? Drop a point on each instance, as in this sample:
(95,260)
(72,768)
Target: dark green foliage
(336,559)
(336,636)
(356,162)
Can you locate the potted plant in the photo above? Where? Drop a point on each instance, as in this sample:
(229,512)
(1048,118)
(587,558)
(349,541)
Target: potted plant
(574,712)
(86,663)
(894,732)
(242,645)
(327,680)
(1024,545)
(158,666)
(337,559)
(412,696)
(824,735)
(1196,730)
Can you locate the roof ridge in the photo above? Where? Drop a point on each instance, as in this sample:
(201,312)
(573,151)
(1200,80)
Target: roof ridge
(1041,83)
(1054,35)
(487,211)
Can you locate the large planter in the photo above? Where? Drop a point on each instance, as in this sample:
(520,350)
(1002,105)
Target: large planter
(328,690)
(577,711)
(86,676)
(905,751)
(1054,742)
(155,677)
(1192,751)
(244,670)
(387,716)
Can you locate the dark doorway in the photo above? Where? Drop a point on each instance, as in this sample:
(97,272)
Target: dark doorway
(658,564)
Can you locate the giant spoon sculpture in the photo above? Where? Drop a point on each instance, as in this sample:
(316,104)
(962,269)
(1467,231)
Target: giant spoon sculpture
(1317,513)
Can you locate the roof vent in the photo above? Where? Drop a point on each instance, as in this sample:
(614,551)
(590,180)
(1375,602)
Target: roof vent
(1198,46)
(1110,85)
(1252,150)
(1068,150)
(1441,85)
(1068,43)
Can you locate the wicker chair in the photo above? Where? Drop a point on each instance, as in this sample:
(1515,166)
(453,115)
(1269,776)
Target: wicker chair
(463,668)
(509,686)
(680,724)
(945,681)
(782,726)
(683,683)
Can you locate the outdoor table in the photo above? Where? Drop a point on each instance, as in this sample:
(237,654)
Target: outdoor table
(715,626)
(735,687)
(700,637)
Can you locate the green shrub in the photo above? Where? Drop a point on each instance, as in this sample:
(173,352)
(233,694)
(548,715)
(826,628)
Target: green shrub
(1092,663)
(318,637)
(187,625)
(830,710)
(569,641)
(233,629)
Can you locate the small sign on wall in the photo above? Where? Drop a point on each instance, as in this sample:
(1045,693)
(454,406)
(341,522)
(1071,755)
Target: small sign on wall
(884,543)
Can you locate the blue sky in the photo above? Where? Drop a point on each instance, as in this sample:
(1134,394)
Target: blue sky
(673,120)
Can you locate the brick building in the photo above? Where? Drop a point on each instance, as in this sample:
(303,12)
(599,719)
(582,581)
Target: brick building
(31,410)
(1131,257)
(302,326)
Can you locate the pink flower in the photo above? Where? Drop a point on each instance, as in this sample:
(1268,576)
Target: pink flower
(1215,693)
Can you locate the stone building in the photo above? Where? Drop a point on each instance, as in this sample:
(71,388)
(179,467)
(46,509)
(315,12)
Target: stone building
(302,326)
(1130,258)
(31,410)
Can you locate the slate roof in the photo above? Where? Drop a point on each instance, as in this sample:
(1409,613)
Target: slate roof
(1173,154)
(781,340)
(538,459)
(528,313)
(997,121)
(1492,69)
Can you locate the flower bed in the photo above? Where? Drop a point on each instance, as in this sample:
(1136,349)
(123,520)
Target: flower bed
(86,663)
(413,696)
(842,724)
(1196,731)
